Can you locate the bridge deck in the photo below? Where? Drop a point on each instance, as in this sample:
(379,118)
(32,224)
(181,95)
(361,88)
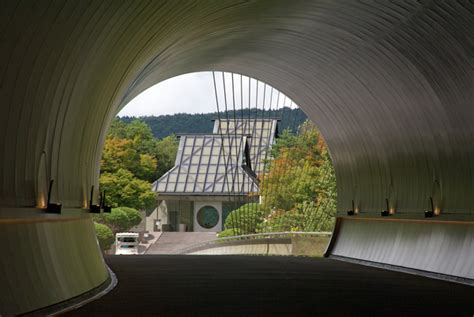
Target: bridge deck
(249,285)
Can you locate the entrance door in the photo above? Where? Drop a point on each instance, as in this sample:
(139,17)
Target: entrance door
(174,220)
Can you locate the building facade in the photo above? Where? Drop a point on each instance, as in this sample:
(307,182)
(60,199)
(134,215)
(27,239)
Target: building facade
(213,175)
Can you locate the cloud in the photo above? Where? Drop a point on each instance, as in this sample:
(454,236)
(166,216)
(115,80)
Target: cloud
(195,93)
(189,93)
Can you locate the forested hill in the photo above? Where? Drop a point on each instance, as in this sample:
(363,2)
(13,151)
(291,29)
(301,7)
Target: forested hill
(163,126)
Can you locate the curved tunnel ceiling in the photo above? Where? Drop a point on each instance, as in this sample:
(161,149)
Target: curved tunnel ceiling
(389,84)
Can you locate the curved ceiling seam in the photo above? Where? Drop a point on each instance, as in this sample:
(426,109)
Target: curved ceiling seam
(68,80)
(62,69)
(15,120)
(64,102)
(106,120)
(52,66)
(39,69)
(26,116)
(139,53)
(86,155)
(387,87)
(78,67)
(97,149)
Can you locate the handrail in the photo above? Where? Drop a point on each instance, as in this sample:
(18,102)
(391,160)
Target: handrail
(253,236)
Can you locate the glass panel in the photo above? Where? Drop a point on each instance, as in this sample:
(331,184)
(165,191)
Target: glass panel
(205,159)
(206,150)
(212,169)
(199,141)
(190,187)
(216,151)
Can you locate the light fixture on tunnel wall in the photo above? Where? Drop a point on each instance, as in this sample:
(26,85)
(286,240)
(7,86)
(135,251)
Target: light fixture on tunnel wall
(386,212)
(53,208)
(106,208)
(430,213)
(352,211)
(95,209)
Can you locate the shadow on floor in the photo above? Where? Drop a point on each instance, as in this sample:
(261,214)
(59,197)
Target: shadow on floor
(186,285)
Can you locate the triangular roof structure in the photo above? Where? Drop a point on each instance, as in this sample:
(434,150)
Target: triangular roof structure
(262,131)
(210,164)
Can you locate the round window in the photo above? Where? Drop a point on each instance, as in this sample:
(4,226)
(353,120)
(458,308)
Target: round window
(208,217)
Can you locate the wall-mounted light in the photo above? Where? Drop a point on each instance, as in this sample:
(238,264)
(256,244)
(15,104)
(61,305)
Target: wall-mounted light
(386,212)
(95,209)
(352,211)
(53,208)
(430,213)
(106,208)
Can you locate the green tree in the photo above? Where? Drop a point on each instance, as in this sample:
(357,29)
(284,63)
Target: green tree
(132,159)
(121,219)
(105,236)
(245,219)
(118,153)
(299,187)
(123,154)
(133,215)
(165,154)
(231,232)
(123,189)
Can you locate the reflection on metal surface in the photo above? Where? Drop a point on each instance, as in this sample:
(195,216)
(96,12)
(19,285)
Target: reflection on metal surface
(390,85)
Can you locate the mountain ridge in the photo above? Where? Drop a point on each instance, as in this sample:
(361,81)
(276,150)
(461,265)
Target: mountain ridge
(180,123)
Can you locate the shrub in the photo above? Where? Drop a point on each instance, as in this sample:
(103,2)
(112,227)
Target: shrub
(134,216)
(121,219)
(105,236)
(245,219)
(228,233)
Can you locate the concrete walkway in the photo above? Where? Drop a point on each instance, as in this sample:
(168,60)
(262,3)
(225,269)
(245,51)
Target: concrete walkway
(174,242)
(152,238)
(188,285)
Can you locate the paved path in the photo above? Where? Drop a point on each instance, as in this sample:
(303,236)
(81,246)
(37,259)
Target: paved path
(158,285)
(152,238)
(174,242)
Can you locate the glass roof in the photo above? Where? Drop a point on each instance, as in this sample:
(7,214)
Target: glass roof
(262,134)
(222,163)
(209,164)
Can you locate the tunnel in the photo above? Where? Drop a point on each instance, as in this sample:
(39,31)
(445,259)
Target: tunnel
(390,85)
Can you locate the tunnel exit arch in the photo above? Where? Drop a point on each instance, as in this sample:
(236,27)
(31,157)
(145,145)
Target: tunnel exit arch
(390,86)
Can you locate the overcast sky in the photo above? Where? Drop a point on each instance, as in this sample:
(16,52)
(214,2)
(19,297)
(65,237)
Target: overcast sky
(195,93)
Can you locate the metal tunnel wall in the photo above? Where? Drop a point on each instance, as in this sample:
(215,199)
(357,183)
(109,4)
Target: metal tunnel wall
(390,84)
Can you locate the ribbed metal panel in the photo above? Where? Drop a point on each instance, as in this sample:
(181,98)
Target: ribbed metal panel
(44,262)
(428,246)
(390,84)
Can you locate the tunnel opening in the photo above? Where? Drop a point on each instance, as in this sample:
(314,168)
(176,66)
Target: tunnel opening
(390,85)
(250,164)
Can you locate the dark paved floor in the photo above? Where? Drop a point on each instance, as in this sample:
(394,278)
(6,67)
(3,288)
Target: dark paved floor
(160,285)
